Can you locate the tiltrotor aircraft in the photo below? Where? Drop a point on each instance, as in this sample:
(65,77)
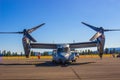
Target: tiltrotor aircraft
(63,51)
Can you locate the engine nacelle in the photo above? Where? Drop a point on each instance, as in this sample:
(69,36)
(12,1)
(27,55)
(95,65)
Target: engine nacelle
(26,45)
(100,45)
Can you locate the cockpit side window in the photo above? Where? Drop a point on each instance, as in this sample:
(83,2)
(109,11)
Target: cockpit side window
(66,49)
(59,50)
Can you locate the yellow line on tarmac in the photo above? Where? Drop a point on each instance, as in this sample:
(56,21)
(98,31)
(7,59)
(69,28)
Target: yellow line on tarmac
(94,56)
(23,57)
(50,57)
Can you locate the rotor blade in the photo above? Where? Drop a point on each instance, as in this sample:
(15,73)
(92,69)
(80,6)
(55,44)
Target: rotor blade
(111,29)
(11,32)
(34,28)
(30,37)
(96,36)
(92,27)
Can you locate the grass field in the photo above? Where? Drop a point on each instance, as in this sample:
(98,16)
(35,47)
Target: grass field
(49,57)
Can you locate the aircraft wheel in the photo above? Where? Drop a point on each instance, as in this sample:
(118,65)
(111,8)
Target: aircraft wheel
(73,60)
(53,61)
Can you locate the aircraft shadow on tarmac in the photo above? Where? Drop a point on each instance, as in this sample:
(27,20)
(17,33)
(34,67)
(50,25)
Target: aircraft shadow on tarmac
(45,64)
(50,64)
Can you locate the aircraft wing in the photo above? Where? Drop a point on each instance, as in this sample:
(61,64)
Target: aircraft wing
(83,45)
(43,45)
(54,46)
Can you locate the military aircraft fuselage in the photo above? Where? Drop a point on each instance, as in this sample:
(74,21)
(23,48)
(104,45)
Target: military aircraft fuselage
(63,54)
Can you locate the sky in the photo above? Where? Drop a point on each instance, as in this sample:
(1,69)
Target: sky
(63,21)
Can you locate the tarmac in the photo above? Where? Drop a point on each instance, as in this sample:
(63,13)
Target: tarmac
(44,69)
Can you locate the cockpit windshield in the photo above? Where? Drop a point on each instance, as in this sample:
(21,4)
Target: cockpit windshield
(66,49)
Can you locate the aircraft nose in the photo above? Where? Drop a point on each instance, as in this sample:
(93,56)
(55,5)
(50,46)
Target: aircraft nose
(62,57)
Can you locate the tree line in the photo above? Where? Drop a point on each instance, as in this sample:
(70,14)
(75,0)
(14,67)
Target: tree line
(9,53)
(81,52)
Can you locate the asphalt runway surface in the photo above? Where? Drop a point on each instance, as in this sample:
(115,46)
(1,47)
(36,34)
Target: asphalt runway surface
(44,69)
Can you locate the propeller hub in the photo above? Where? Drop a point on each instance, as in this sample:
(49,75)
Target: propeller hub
(101,30)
